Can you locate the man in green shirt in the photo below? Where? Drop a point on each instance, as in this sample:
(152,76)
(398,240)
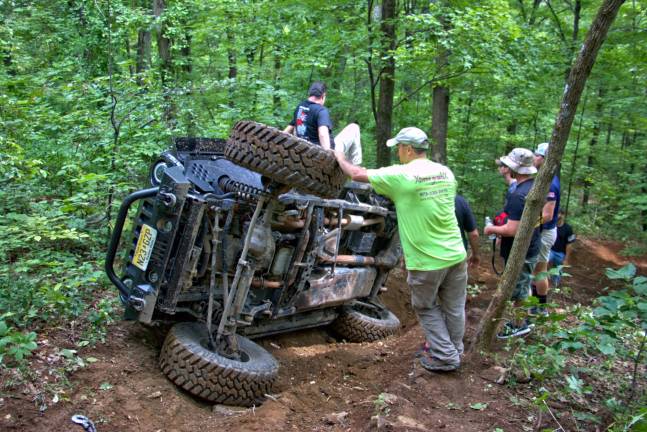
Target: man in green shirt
(423,193)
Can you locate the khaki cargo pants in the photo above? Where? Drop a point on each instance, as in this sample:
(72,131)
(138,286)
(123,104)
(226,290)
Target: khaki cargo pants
(438,298)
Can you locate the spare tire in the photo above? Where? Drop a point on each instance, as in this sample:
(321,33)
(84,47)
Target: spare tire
(186,360)
(285,159)
(362,322)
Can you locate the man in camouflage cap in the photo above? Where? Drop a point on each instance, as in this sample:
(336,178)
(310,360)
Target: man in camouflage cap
(520,161)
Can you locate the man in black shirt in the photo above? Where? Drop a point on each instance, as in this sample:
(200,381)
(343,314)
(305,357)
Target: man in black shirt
(520,162)
(311,122)
(561,251)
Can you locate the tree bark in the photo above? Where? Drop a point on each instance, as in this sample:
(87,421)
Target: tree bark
(571,177)
(580,71)
(588,182)
(143,52)
(439,122)
(276,99)
(440,105)
(143,60)
(163,43)
(384,118)
(233,67)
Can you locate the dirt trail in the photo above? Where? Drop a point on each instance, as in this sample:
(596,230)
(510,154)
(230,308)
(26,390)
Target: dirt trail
(324,385)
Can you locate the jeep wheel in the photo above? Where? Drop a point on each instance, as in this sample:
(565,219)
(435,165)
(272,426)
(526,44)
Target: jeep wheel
(285,158)
(186,360)
(361,322)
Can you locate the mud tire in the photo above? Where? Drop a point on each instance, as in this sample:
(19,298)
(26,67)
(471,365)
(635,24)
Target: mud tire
(357,323)
(285,159)
(187,362)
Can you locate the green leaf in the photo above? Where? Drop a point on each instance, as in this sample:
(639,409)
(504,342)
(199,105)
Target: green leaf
(479,406)
(574,384)
(626,272)
(105,386)
(67,353)
(606,345)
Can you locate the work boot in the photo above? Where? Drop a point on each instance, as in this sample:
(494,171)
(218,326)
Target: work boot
(434,365)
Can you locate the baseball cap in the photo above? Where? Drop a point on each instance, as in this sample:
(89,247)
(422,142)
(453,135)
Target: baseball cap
(411,136)
(519,160)
(542,149)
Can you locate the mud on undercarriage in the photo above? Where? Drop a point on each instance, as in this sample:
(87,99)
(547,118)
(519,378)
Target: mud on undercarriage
(221,245)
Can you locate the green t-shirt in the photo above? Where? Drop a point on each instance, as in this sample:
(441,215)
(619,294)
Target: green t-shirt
(423,193)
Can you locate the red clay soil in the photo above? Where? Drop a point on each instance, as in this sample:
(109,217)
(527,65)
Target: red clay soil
(324,384)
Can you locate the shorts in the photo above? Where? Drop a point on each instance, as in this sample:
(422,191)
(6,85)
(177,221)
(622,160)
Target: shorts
(548,237)
(522,289)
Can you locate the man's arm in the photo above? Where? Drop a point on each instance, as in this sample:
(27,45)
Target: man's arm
(289,129)
(507,230)
(547,211)
(473,238)
(324,136)
(356,173)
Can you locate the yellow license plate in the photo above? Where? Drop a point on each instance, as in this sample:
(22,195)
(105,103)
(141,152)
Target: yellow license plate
(144,247)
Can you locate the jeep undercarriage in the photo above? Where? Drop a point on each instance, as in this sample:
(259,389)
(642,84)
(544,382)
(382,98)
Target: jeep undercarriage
(232,253)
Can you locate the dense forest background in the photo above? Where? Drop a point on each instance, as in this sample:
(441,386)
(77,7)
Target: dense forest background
(92,91)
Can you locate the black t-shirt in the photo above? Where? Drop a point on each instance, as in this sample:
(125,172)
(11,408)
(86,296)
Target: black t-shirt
(307,118)
(565,236)
(515,203)
(464,216)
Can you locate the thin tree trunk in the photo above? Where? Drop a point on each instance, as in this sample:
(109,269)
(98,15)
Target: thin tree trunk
(439,121)
(143,53)
(276,99)
(233,67)
(571,177)
(580,71)
(576,22)
(163,43)
(384,119)
(535,5)
(440,104)
(186,53)
(590,162)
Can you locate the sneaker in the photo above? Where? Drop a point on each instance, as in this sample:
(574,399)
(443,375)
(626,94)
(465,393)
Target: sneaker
(435,365)
(510,330)
(538,310)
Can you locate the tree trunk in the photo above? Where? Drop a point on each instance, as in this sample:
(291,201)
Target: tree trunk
(440,104)
(163,43)
(276,99)
(233,67)
(590,162)
(143,52)
(439,121)
(387,83)
(571,177)
(580,71)
(186,53)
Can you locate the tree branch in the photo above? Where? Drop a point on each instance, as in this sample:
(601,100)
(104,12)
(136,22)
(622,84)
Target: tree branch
(559,24)
(426,83)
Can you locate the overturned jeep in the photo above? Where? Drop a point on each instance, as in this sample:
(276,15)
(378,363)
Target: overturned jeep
(250,237)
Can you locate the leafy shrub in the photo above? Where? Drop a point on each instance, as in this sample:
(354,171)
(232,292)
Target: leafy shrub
(15,344)
(600,350)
